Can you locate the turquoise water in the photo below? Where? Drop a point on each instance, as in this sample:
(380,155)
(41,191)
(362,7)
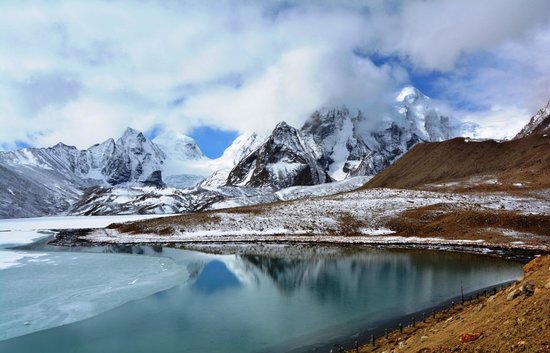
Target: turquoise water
(280,301)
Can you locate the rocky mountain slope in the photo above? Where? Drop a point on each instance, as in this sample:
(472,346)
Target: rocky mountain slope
(44,181)
(538,125)
(282,161)
(334,144)
(151,200)
(243,146)
(464,163)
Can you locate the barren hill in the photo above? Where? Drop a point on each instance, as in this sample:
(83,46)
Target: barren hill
(462,163)
(521,163)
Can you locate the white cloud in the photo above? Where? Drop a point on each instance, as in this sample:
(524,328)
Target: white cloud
(433,35)
(81,72)
(499,122)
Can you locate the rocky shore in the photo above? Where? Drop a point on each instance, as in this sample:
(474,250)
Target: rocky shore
(515,319)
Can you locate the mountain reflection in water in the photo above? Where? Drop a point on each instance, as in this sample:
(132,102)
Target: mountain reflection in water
(215,277)
(271,299)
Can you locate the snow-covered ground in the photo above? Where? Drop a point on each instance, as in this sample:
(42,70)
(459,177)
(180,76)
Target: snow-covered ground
(324,219)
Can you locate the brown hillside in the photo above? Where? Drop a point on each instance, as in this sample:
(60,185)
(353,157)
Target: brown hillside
(495,165)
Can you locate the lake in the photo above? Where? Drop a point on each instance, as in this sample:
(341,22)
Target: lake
(265,299)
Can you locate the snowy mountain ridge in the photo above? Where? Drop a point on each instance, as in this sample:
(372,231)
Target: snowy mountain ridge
(39,181)
(334,144)
(539,123)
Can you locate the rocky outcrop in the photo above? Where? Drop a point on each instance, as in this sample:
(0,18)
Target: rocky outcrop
(282,161)
(155,180)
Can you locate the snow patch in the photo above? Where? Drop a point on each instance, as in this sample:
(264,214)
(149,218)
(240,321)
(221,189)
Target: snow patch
(10,259)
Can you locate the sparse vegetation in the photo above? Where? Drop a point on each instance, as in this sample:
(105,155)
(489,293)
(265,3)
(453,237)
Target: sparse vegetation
(472,223)
(454,163)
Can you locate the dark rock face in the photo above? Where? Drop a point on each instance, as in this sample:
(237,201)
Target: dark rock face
(391,143)
(155,179)
(282,161)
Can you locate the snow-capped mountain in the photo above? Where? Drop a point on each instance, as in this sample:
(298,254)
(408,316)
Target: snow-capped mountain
(39,181)
(334,144)
(538,125)
(350,145)
(131,158)
(243,146)
(283,160)
(185,165)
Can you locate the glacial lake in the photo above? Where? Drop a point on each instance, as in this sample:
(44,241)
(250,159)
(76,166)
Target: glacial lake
(272,299)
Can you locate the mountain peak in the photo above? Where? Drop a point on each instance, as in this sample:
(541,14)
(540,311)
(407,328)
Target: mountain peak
(410,94)
(282,126)
(172,135)
(538,125)
(178,146)
(61,145)
(281,161)
(129,132)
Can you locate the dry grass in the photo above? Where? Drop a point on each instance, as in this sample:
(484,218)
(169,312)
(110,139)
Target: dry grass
(448,221)
(165,225)
(525,161)
(349,225)
(169,225)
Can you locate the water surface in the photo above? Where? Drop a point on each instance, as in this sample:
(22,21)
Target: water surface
(280,300)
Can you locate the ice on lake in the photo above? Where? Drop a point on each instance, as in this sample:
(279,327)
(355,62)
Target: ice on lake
(45,289)
(58,288)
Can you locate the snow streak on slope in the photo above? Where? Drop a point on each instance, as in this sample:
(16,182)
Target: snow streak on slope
(242,147)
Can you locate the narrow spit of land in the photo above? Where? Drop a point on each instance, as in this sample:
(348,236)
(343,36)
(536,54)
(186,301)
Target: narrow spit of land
(515,319)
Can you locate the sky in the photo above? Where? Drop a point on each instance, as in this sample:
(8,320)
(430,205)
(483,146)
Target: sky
(82,71)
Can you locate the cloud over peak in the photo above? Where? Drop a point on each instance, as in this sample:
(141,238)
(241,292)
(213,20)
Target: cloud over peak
(82,71)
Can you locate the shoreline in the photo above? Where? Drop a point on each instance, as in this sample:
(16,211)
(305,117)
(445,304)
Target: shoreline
(513,319)
(377,330)
(224,244)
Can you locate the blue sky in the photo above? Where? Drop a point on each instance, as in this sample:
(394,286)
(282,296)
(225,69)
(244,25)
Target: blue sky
(81,72)
(213,141)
